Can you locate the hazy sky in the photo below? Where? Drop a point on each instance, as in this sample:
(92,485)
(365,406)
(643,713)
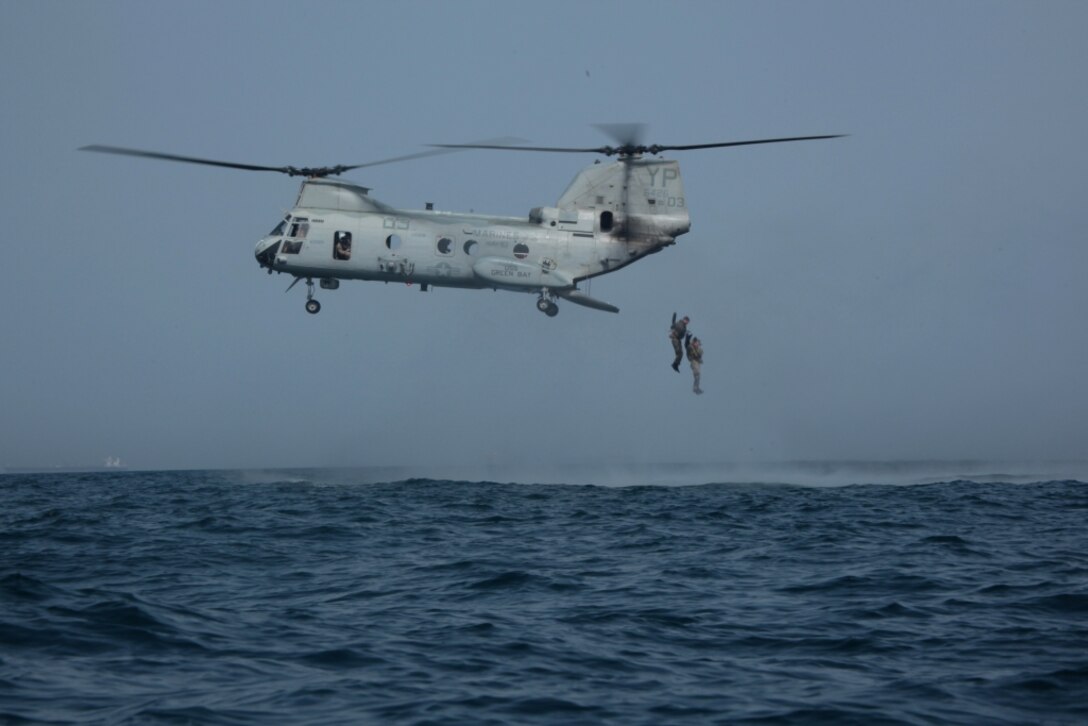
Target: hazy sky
(916,290)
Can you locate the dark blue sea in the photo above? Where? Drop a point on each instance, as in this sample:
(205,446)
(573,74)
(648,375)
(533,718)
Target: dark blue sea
(807,594)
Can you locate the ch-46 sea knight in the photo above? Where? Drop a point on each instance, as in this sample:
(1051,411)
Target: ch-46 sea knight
(610,216)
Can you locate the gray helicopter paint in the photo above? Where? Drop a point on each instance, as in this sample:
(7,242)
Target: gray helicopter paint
(609,216)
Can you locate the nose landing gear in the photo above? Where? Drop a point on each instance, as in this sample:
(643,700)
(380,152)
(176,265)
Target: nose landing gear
(312,306)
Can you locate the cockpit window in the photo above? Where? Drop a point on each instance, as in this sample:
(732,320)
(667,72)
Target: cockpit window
(299,228)
(278,231)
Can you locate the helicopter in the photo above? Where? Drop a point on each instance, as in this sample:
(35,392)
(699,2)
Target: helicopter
(609,216)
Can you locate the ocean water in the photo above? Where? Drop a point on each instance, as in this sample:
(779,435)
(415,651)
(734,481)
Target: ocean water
(811,594)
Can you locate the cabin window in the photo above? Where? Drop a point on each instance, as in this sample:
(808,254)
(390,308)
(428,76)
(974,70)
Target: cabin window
(606,221)
(341,246)
(521,250)
(299,228)
(470,247)
(445,246)
(392,241)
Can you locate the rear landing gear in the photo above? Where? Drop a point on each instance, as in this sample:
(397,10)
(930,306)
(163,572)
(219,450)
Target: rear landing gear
(546,305)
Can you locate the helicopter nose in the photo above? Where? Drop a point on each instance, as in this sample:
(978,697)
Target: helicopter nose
(266,251)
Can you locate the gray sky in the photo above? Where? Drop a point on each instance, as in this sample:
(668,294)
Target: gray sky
(916,290)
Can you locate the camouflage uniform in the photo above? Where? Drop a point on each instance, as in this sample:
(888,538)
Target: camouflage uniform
(695,357)
(677,331)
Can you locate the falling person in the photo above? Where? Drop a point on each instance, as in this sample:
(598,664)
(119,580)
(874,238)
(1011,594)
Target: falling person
(676,334)
(695,357)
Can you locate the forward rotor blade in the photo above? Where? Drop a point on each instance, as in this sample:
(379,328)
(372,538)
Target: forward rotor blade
(405,157)
(502,142)
(99,148)
(316,171)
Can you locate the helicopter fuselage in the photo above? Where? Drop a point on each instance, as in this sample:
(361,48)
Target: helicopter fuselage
(337,231)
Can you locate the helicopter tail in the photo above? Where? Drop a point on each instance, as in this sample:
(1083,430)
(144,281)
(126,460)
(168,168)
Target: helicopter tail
(644,196)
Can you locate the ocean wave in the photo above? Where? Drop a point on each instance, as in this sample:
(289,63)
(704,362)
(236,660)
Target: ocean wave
(802,473)
(311,599)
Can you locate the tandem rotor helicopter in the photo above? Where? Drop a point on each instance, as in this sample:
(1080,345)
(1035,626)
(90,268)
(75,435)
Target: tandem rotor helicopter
(610,216)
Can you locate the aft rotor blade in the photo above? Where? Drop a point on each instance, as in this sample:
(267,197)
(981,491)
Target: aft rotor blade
(657,147)
(508,147)
(631,149)
(624,134)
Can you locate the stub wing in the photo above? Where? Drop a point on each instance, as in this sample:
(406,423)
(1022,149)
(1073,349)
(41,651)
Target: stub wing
(524,277)
(579,298)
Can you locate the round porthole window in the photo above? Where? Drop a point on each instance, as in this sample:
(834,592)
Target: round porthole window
(445,246)
(521,250)
(470,247)
(392,241)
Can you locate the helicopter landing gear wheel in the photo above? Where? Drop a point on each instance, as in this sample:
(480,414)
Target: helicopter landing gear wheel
(546,304)
(313,307)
